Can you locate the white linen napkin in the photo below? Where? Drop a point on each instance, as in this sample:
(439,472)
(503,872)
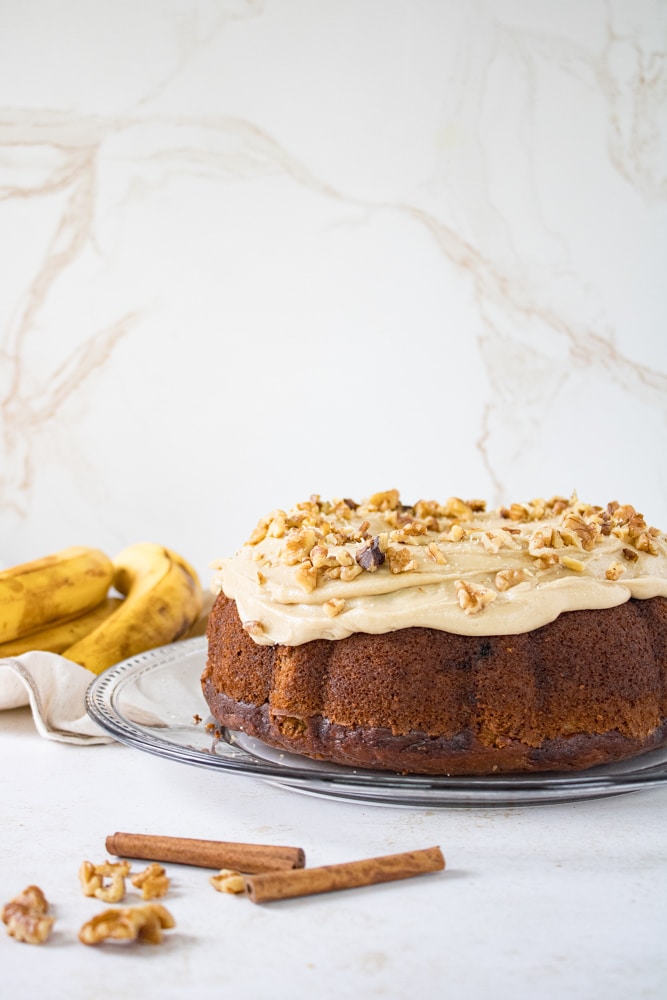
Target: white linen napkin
(55,689)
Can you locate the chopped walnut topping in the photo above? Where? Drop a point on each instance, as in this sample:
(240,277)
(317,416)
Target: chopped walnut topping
(348,573)
(516,512)
(558,505)
(261,579)
(401,537)
(457,508)
(334,607)
(546,561)
(344,508)
(574,564)
(320,558)
(298,545)
(130,923)
(400,560)
(389,500)
(434,552)
(228,880)
(494,541)
(425,509)
(627,515)
(92,878)
(631,525)
(614,571)
(153,881)
(455,534)
(580,532)
(26,916)
(277,524)
(260,532)
(414,527)
(473,598)
(630,555)
(646,543)
(253,627)
(489,542)
(545,538)
(508,578)
(306,576)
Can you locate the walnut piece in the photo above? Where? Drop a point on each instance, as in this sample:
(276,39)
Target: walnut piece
(544,562)
(576,530)
(92,881)
(457,508)
(228,880)
(26,916)
(153,881)
(455,534)
(645,542)
(508,578)
(252,627)
(128,923)
(333,607)
(388,500)
(473,598)
(615,571)
(400,559)
(434,552)
(306,576)
(298,546)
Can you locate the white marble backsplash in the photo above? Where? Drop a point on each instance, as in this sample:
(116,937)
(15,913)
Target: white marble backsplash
(256,249)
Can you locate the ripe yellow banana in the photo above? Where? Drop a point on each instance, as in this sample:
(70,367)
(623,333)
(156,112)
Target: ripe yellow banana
(61,634)
(46,590)
(163,599)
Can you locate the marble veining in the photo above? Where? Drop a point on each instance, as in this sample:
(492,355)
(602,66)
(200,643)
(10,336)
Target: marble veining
(329,250)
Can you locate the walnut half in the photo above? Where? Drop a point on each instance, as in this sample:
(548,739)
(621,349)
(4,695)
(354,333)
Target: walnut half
(128,923)
(26,916)
(92,879)
(473,598)
(153,881)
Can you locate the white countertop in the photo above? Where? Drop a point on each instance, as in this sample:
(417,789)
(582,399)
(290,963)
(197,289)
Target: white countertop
(548,901)
(256,250)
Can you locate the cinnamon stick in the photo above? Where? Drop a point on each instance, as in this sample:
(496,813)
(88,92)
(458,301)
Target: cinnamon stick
(247,858)
(270,886)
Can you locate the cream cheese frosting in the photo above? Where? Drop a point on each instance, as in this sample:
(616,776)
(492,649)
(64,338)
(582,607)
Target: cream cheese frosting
(327,569)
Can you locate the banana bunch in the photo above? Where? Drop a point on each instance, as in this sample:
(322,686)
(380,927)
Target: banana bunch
(64,603)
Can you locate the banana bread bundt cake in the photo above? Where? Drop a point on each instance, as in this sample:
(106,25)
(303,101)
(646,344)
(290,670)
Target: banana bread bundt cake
(444,638)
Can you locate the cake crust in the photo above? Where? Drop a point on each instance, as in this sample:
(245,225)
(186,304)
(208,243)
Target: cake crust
(585,689)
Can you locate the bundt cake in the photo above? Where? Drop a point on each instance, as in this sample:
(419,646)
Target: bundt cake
(444,638)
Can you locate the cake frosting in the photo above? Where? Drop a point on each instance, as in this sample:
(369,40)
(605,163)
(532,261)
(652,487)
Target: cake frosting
(329,569)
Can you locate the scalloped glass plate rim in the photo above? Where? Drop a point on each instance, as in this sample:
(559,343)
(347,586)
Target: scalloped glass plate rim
(152,701)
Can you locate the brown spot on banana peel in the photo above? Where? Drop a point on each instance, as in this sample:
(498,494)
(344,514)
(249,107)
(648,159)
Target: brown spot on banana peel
(163,601)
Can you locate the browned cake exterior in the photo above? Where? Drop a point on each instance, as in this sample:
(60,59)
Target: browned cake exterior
(587,688)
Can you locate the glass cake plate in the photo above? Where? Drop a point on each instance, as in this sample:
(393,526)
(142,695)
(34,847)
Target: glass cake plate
(153,702)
